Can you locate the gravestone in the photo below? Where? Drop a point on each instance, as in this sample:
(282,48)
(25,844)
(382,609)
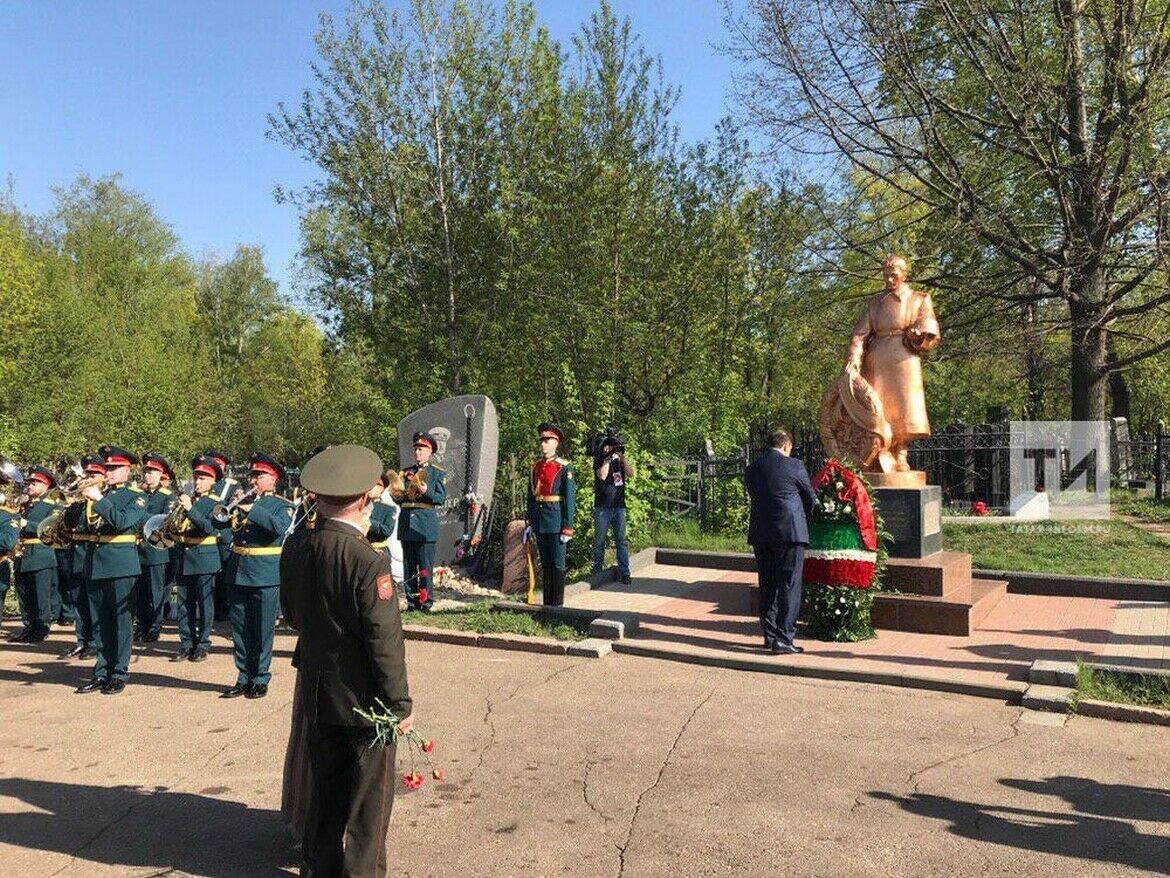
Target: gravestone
(466,429)
(1122,454)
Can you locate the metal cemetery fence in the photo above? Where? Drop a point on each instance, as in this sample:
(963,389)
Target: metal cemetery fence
(968,461)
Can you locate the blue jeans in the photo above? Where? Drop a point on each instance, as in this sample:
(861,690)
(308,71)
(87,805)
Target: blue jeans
(605,517)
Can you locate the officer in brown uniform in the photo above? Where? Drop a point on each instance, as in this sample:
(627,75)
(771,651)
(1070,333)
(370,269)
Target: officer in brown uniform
(338,592)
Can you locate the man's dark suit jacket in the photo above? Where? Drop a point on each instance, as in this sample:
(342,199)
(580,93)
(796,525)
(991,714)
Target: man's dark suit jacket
(336,590)
(782,499)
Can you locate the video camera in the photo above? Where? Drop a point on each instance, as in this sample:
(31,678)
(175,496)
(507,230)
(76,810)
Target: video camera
(608,438)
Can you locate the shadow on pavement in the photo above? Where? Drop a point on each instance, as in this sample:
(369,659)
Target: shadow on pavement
(138,827)
(1083,834)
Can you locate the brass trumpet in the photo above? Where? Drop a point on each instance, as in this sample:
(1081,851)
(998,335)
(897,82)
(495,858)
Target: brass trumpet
(222,513)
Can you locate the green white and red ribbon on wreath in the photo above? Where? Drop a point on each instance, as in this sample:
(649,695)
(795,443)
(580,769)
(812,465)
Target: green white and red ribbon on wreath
(842,548)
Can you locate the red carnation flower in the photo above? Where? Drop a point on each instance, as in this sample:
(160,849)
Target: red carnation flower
(423,594)
(428,745)
(439,774)
(423,573)
(978,508)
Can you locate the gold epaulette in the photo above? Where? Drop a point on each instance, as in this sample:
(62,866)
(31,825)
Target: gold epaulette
(166,491)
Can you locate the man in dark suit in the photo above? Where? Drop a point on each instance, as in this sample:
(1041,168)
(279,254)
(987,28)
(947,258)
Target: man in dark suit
(337,591)
(782,498)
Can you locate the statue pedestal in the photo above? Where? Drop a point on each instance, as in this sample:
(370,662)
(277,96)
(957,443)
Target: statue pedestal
(912,515)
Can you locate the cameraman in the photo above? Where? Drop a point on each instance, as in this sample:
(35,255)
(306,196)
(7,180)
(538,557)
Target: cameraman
(611,472)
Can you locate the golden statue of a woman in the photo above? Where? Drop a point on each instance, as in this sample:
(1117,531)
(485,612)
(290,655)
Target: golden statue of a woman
(878,403)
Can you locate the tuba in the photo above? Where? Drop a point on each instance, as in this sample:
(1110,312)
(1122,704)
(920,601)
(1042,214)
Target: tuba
(396,485)
(160,530)
(52,531)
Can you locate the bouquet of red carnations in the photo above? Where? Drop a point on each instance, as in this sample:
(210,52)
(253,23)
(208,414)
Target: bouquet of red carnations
(385,723)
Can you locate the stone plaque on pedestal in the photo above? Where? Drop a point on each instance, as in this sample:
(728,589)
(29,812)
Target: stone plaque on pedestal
(913,516)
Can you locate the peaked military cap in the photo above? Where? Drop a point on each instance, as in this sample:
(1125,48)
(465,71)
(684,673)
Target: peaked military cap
(114,455)
(224,460)
(259,462)
(549,429)
(206,465)
(153,460)
(422,436)
(92,464)
(342,471)
(40,474)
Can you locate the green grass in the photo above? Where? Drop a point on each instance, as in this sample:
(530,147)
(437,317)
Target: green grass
(1145,689)
(1088,548)
(686,535)
(483,618)
(1143,506)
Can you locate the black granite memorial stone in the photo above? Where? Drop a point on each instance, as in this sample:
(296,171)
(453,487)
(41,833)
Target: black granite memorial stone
(466,429)
(913,516)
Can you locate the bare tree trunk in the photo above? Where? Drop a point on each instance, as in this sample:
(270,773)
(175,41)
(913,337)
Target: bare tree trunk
(456,370)
(1087,373)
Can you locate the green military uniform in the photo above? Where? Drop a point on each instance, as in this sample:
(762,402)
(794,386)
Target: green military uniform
(418,528)
(77,582)
(113,569)
(552,507)
(338,592)
(199,562)
(225,489)
(150,590)
(36,568)
(253,579)
(383,517)
(9,540)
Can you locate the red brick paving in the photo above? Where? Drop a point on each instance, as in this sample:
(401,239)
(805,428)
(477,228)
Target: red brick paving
(712,612)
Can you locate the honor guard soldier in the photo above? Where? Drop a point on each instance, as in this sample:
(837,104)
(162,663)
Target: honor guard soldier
(197,538)
(36,568)
(423,489)
(80,537)
(383,517)
(338,592)
(552,505)
(115,519)
(150,590)
(260,525)
(225,489)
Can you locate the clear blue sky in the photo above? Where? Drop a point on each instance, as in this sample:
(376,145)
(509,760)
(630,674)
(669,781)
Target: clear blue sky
(174,96)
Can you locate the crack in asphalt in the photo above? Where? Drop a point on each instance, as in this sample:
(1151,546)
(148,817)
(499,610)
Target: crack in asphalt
(177,785)
(490,706)
(914,776)
(589,763)
(661,771)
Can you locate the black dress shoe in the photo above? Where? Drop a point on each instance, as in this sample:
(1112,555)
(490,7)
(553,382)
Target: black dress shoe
(73,653)
(236,691)
(626,579)
(787,649)
(21,636)
(113,687)
(93,685)
(257,690)
(152,637)
(182,655)
(769,645)
(198,654)
(88,652)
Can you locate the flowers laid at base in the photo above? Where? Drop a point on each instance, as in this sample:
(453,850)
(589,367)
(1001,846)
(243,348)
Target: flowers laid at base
(844,561)
(385,723)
